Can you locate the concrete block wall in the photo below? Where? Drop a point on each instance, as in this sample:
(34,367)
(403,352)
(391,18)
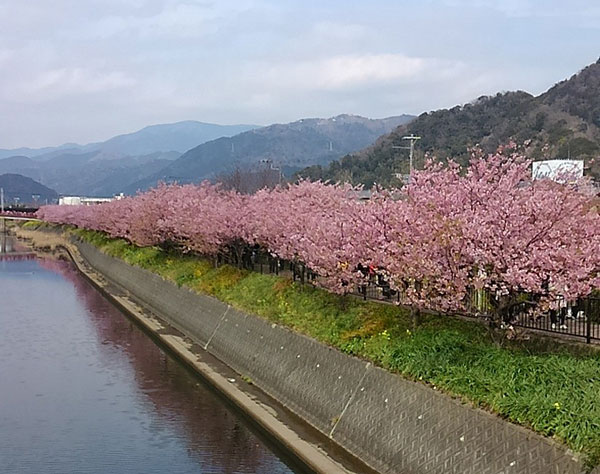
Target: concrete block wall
(180,307)
(394,425)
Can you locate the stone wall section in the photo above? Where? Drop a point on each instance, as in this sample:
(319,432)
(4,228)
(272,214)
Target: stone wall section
(392,424)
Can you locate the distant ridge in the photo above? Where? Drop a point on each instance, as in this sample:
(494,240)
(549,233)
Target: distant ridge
(291,146)
(106,168)
(20,189)
(178,136)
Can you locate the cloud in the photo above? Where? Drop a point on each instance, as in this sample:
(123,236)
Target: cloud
(5,56)
(349,71)
(509,8)
(181,21)
(575,13)
(74,63)
(172,19)
(339,31)
(54,84)
(352,71)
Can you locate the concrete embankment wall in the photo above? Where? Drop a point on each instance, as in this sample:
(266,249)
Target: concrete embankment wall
(392,424)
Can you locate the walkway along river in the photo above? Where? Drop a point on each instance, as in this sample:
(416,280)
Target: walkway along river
(83,389)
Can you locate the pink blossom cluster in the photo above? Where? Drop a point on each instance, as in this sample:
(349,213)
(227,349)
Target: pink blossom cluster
(449,230)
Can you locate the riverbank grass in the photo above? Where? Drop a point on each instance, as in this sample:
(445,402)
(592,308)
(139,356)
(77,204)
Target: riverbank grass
(549,387)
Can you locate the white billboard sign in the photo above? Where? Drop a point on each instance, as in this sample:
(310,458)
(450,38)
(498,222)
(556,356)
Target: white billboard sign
(558,170)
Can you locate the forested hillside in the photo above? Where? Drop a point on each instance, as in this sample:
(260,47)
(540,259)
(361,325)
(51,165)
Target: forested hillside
(18,189)
(561,123)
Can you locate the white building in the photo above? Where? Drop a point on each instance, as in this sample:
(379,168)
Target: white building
(85,201)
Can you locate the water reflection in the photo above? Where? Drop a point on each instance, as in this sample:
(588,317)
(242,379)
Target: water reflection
(102,391)
(8,244)
(11,249)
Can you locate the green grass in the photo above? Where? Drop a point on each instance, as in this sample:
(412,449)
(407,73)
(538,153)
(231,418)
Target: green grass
(551,388)
(33,225)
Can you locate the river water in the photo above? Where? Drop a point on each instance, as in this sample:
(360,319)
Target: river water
(84,390)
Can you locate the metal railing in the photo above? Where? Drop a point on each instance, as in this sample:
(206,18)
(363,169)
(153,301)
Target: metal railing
(584,323)
(580,319)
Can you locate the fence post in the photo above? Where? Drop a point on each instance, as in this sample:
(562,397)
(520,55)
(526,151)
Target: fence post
(303,274)
(588,321)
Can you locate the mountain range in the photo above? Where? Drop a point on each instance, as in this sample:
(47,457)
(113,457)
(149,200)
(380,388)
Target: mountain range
(563,122)
(178,136)
(106,168)
(290,147)
(137,161)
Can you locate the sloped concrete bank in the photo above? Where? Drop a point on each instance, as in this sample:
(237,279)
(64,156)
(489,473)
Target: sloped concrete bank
(392,424)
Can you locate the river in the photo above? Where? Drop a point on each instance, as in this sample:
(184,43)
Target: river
(84,390)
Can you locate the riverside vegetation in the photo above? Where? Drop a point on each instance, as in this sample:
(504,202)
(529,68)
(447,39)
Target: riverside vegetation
(449,231)
(552,389)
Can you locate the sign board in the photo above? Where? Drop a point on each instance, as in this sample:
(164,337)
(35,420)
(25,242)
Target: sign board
(558,170)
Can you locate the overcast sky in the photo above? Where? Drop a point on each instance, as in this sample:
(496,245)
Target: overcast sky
(85,70)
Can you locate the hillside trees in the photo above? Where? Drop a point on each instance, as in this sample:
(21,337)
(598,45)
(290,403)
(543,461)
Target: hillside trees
(564,121)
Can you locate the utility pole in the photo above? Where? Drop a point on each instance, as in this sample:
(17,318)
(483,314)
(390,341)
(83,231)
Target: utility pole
(269,163)
(413,139)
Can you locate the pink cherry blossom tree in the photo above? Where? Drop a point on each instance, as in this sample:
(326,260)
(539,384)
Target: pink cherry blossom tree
(489,228)
(524,235)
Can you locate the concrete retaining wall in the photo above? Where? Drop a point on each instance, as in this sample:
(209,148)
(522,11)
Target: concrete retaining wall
(392,424)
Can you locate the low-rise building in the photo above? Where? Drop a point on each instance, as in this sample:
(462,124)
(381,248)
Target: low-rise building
(85,201)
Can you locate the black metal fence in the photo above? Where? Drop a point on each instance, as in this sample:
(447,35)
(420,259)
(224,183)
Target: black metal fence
(584,323)
(579,319)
